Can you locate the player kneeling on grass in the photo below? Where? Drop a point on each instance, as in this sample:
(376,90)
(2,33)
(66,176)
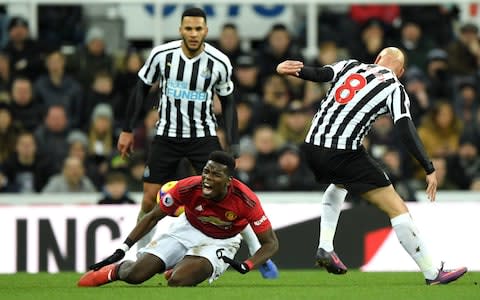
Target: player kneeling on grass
(268,269)
(201,243)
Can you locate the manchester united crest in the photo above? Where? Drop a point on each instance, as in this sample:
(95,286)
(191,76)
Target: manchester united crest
(230,215)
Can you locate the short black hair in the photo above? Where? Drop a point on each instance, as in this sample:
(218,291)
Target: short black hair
(194,12)
(229,26)
(223,158)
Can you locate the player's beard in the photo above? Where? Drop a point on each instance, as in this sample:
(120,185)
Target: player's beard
(193,50)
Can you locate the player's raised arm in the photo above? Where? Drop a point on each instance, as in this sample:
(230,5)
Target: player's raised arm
(290,67)
(296,68)
(134,107)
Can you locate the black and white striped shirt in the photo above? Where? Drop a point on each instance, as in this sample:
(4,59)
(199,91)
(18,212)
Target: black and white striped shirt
(187,87)
(359,94)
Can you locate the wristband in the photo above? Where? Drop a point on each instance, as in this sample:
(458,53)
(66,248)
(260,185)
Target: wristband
(124,247)
(249,263)
(129,242)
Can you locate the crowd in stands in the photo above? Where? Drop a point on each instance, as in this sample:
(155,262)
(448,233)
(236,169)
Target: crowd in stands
(60,115)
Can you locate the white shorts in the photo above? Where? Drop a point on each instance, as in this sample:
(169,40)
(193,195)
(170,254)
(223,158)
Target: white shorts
(183,239)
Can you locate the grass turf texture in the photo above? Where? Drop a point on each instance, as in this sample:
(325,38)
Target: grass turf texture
(292,284)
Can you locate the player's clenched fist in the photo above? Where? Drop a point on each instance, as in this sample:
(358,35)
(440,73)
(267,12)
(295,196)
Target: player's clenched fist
(290,67)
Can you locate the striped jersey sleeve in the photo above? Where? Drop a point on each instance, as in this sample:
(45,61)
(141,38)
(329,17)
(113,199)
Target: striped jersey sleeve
(398,104)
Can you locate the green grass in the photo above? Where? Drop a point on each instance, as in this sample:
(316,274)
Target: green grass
(295,284)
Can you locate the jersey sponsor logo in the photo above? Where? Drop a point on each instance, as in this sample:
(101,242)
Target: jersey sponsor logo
(260,221)
(167,200)
(180,90)
(215,221)
(230,215)
(146,172)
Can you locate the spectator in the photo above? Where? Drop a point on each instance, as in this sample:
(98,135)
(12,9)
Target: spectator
(26,56)
(100,137)
(247,84)
(275,99)
(464,52)
(416,87)
(145,133)
(78,147)
(435,20)
(467,101)
(26,109)
(115,190)
(5,77)
(72,179)
(372,40)
(294,123)
(464,166)
(246,164)
(27,171)
(58,88)
(290,172)
(278,47)
(229,43)
(438,75)
(414,44)
(125,78)
(52,135)
(91,58)
(8,132)
(392,162)
(266,144)
(440,133)
(103,92)
(136,167)
(245,117)
(381,137)
(444,183)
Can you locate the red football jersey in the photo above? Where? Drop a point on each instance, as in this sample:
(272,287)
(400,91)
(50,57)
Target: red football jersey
(222,219)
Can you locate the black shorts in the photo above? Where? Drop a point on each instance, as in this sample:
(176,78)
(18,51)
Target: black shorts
(354,169)
(166,154)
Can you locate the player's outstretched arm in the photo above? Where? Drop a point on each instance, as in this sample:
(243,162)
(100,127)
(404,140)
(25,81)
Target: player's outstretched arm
(290,67)
(142,228)
(408,134)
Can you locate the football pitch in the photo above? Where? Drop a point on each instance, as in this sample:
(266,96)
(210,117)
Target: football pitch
(292,284)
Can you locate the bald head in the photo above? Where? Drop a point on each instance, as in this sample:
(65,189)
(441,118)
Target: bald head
(393,59)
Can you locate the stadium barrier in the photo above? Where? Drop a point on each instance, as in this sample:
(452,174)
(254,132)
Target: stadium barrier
(69,237)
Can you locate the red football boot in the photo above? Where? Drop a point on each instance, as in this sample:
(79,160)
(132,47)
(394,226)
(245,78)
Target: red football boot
(100,277)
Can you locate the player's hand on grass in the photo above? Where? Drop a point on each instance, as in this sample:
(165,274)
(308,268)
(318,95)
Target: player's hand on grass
(115,257)
(268,270)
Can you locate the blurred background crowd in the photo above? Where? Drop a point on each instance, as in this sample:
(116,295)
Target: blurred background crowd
(61,112)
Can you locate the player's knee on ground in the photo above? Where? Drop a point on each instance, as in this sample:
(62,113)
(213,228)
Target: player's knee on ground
(135,277)
(184,279)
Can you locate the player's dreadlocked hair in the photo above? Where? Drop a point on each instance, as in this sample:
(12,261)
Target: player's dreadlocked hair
(223,158)
(194,12)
